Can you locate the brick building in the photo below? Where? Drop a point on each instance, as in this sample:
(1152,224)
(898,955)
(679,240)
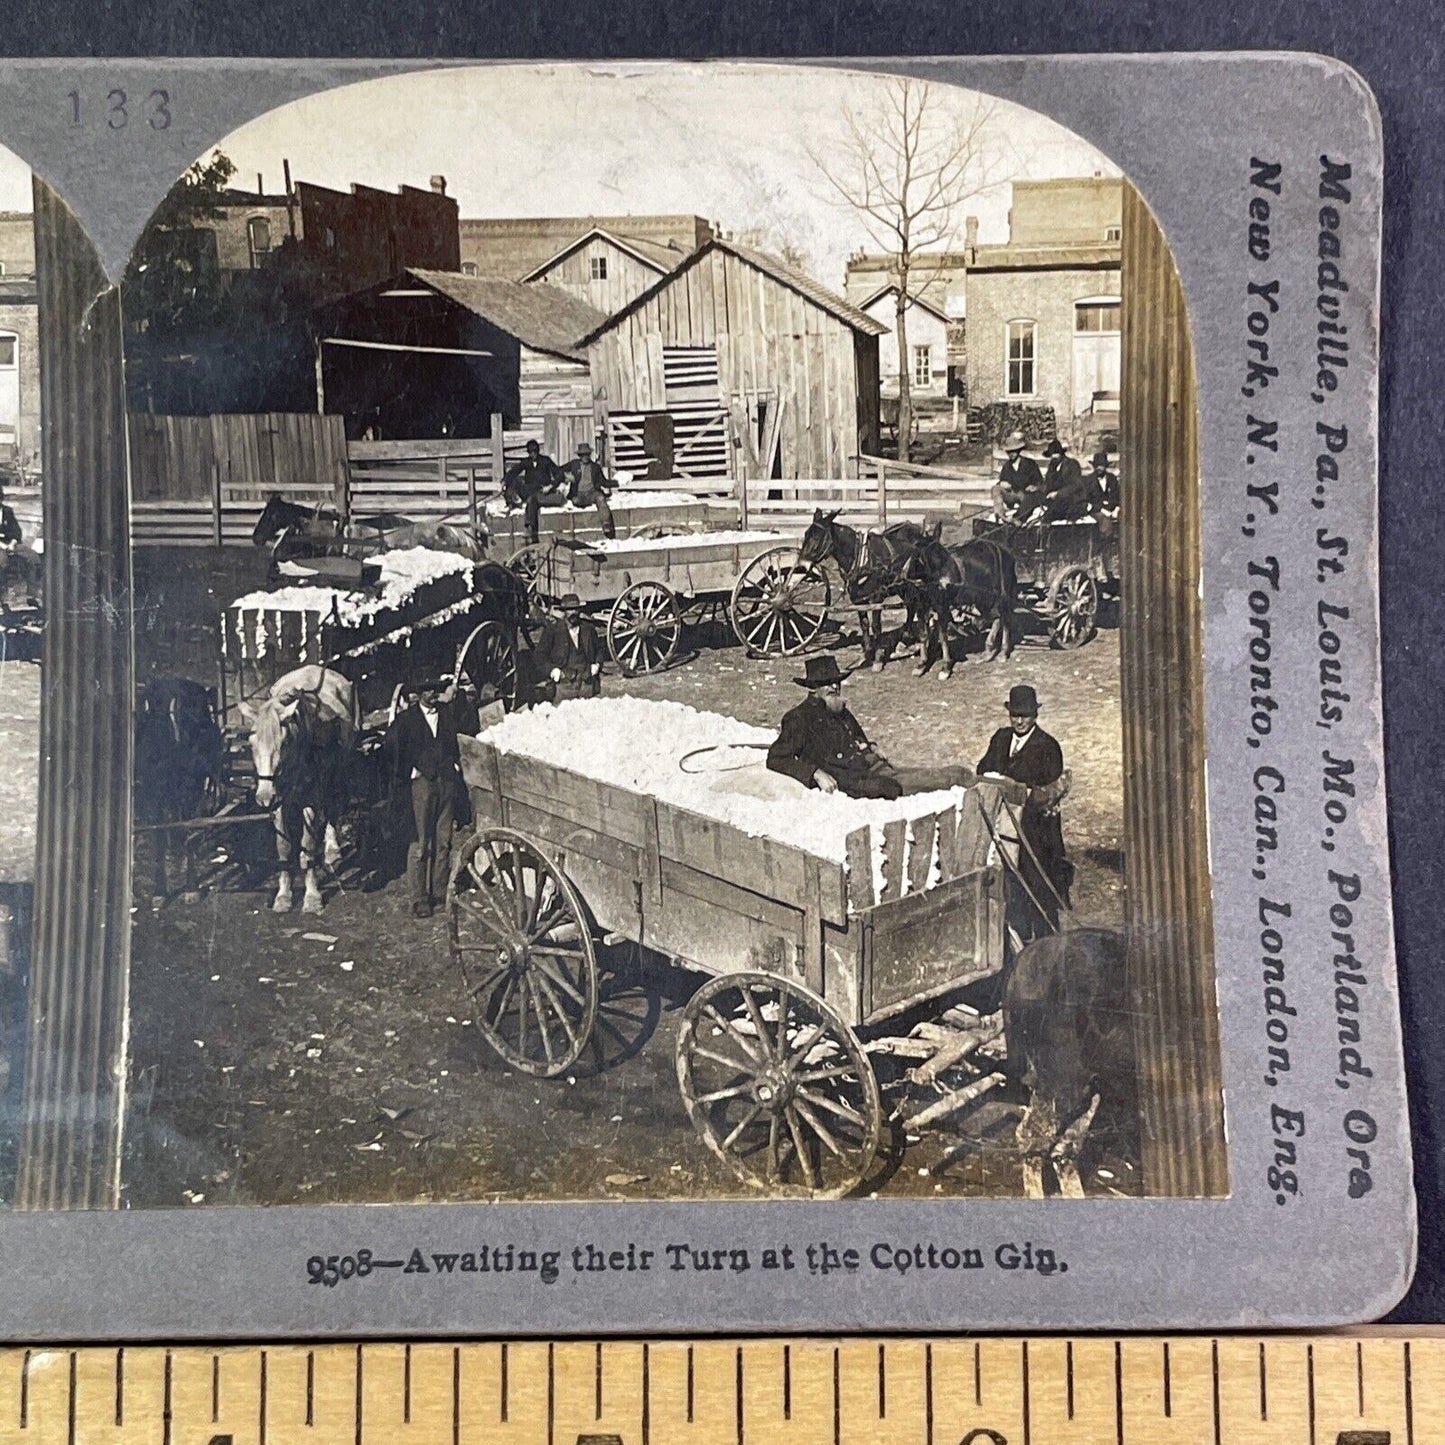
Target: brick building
(510,248)
(1043,308)
(19,342)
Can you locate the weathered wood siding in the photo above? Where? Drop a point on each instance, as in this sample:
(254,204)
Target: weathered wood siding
(627,277)
(75,1064)
(241,456)
(556,402)
(769,338)
(1166,843)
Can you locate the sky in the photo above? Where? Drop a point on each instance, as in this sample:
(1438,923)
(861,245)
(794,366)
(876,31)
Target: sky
(739,145)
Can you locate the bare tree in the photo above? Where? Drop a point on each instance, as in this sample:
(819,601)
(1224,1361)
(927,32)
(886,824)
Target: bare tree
(908,165)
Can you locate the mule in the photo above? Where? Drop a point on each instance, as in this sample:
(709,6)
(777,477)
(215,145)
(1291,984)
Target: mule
(303,738)
(873,566)
(977,576)
(288,529)
(1068,1025)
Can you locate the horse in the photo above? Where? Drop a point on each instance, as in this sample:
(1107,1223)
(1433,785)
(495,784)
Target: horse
(1068,1024)
(180,758)
(980,576)
(289,530)
(873,566)
(303,737)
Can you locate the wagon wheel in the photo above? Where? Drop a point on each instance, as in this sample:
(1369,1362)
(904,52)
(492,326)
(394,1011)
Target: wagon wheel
(530,564)
(780,603)
(1073,608)
(489,656)
(778,1086)
(644,628)
(519,932)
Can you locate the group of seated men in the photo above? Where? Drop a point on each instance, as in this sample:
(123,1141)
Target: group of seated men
(1063,493)
(537,481)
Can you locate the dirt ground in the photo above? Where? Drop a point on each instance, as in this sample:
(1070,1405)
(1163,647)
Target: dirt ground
(284,1060)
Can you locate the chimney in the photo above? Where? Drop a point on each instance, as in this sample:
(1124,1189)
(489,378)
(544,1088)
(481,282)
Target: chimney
(439,185)
(970,239)
(260,184)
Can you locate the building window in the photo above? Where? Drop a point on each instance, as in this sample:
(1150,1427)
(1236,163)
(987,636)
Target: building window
(1097,314)
(469,268)
(1113,233)
(1022,338)
(9,351)
(2,268)
(599,268)
(258,236)
(922,365)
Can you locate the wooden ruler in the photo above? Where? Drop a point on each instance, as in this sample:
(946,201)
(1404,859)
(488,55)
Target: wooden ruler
(1374,1388)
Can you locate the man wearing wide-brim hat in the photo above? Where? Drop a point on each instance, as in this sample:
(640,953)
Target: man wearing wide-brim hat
(568,654)
(588,486)
(1063,477)
(822,745)
(1019,491)
(1038,884)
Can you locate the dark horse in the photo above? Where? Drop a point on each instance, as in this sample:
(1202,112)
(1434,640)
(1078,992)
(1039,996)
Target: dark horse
(290,531)
(874,567)
(303,740)
(977,577)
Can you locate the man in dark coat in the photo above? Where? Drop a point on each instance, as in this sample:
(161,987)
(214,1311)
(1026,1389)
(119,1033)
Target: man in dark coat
(568,654)
(1025,753)
(1107,484)
(822,745)
(1019,491)
(533,483)
(1063,473)
(422,746)
(17,566)
(1076,494)
(588,486)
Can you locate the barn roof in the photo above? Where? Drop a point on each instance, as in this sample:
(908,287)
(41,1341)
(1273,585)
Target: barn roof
(544,317)
(656,257)
(928,306)
(771,266)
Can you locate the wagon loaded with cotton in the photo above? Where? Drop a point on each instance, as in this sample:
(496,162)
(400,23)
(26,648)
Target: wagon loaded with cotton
(837,937)
(411,611)
(645,590)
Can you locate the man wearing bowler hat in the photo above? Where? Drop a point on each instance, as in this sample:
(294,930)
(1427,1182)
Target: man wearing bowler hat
(1106,485)
(822,745)
(1024,753)
(1019,491)
(1063,472)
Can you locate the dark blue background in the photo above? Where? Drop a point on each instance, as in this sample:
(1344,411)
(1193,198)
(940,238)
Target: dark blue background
(1397,47)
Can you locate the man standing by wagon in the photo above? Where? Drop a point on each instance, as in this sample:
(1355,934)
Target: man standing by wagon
(423,746)
(823,746)
(1039,881)
(588,486)
(1019,491)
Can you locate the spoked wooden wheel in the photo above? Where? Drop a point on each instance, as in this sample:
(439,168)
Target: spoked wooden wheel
(519,932)
(644,628)
(1073,608)
(778,1086)
(530,564)
(780,603)
(489,658)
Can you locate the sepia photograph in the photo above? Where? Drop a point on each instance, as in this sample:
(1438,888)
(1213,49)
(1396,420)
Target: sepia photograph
(665,659)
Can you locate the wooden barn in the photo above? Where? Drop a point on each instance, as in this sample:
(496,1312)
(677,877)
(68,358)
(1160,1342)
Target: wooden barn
(434,354)
(734,365)
(607,270)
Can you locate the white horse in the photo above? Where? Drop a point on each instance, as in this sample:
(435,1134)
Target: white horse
(302,735)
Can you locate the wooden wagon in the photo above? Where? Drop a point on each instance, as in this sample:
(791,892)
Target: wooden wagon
(651,587)
(451,621)
(817,969)
(1063,569)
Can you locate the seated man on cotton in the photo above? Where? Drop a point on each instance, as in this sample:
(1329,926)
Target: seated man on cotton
(822,745)
(588,486)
